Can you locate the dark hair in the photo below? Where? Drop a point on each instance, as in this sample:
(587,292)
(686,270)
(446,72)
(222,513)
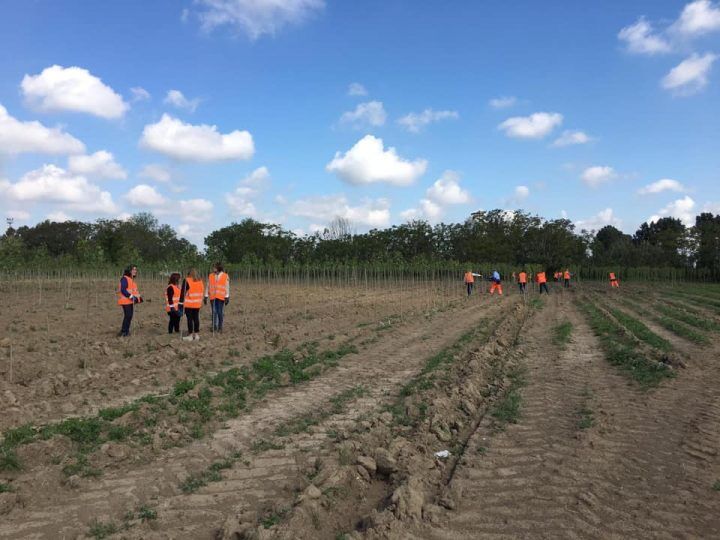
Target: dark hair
(219,267)
(128,270)
(174,279)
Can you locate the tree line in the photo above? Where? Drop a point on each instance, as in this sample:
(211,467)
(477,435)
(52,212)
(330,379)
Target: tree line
(511,238)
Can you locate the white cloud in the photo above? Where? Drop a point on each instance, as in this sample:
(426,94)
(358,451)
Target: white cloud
(503,102)
(682,209)
(371,212)
(72,89)
(426,210)
(535,126)
(58,217)
(665,184)
(240,201)
(357,89)
(690,75)
(640,39)
(155,172)
(600,220)
(697,18)
(368,162)
(177,99)
(18,137)
(256,17)
(416,122)
(54,185)
(371,113)
(179,140)
(571,137)
(257,179)
(446,190)
(522,193)
(18,215)
(597,175)
(139,94)
(101,164)
(145,196)
(195,210)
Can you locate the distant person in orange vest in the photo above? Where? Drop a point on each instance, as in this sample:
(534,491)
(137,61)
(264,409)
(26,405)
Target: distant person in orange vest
(522,281)
(614,280)
(496,283)
(128,296)
(566,278)
(172,303)
(218,291)
(191,299)
(542,282)
(470,280)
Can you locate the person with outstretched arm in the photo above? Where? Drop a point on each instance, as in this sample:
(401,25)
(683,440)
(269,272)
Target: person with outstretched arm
(128,296)
(191,299)
(218,292)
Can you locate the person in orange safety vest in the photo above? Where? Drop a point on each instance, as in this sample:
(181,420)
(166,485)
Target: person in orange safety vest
(542,282)
(128,296)
(172,303)
(614,280)
(470,280)
(566,278)
(191,300)
(522,280)
(218,292)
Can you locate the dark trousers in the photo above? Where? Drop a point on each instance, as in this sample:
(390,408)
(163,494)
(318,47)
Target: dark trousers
(469,288)
(522,286)
(567,283)
(193,320)
(544,286)
(218,309)
(127,319)
(173,322)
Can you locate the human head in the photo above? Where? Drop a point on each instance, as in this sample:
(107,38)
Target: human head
(130,270)
(174,279)
(192,273)
(218,267)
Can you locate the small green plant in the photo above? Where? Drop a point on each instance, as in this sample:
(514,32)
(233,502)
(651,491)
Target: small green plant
(145,513)
(263,445)
(100,530)
(6,488)
(640,330)
(716,485)
(8,459)
(562,333)
(273,518)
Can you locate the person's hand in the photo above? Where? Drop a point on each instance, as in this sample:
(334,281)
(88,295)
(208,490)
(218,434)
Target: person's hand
(140,300)
(227,301)
(135,299)
(205,301)
(181,310)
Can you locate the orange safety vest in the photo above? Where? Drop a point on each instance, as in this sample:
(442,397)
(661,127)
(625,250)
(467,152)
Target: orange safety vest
(522,277)
(469,278)
(194,293)
(541,277)
(175,298)
(567,274)
(132,289)
(612,276)
(217,286)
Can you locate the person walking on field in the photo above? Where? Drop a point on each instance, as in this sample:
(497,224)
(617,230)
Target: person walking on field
(128,296)
(566,278)
(191,299)
(522,281)
(614,281)
(218,292)
(542,282)
(172,303)
(496,283)
(470,280)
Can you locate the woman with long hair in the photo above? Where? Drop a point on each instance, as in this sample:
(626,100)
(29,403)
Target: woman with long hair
(128,296)
(172,305)
(191,300)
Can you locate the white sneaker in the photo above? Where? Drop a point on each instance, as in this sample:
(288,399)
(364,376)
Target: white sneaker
(196,337)
(187,338)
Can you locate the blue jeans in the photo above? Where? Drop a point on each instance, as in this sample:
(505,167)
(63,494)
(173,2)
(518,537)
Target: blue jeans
(218,314)
(127,319)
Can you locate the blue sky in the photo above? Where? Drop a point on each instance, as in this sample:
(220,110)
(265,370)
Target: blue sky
(208,111)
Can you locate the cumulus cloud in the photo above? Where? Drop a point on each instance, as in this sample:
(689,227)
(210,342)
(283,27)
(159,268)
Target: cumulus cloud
(682,209)
(139,94)
(599,220)
(371,113)
(54,185)
(58,217)
(368,162)
(357,89)
(18,137)
(597,175)
(101,164)
(445,191)
(74,89)
(426,210)
(416,122)
(195,210)
(371,212)
(145,196)
(503,102)
(665,184)
(522,192)
(155,172)
(240,201)
(177,99)
(535,126)
(641,39)
(571,137)
(690,75)
(259,178)
(189,142)
(18,215)
(697,18)
(256,17)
